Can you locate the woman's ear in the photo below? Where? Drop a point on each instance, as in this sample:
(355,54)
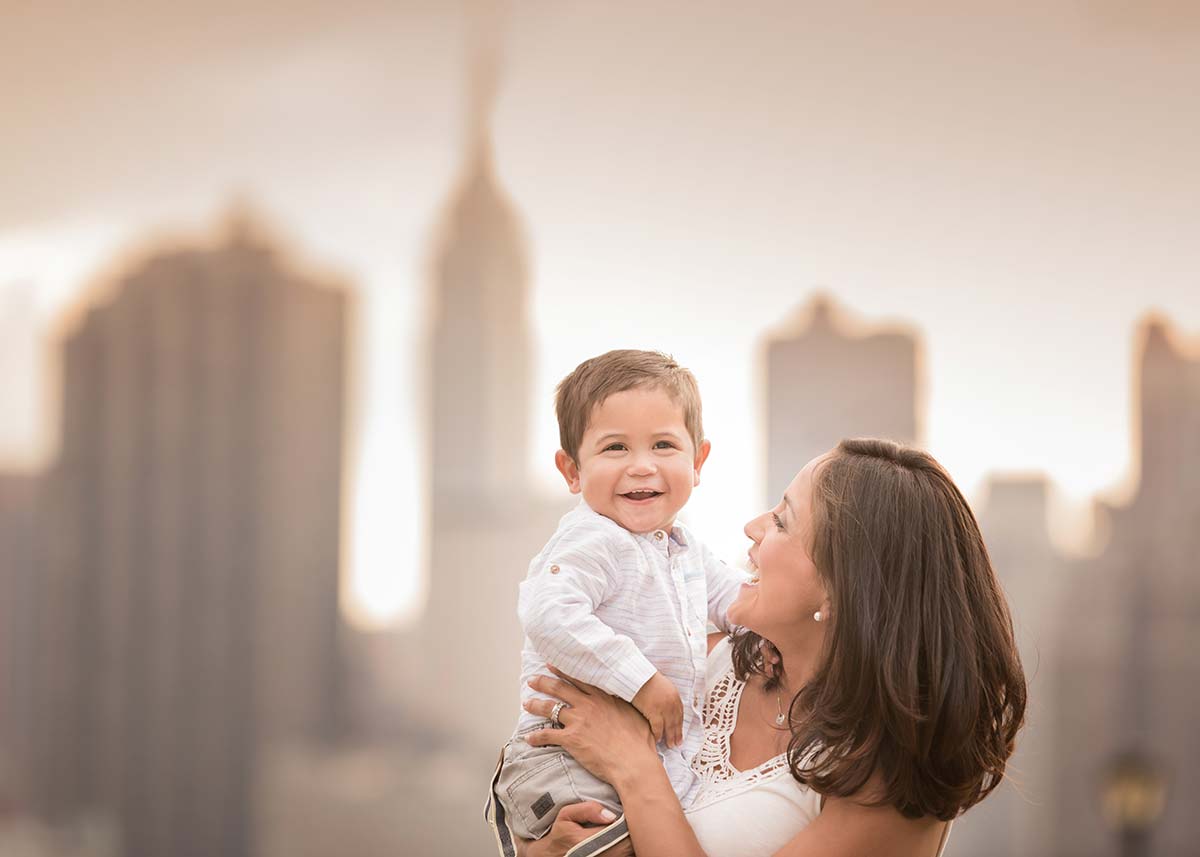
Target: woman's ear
(569,469)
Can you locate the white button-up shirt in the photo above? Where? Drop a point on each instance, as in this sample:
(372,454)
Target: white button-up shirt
(611,607)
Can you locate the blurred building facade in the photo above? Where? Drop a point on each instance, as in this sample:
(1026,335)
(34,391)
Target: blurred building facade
(18,572)
(1129,642)
(488,518)
(1020,815)
(188,589)
(18,582)
(826,380)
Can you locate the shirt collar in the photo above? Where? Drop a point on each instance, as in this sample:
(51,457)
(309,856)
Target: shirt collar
(677,536)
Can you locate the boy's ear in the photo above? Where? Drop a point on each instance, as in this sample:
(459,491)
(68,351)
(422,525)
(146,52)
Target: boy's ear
(701,457)
(569,469)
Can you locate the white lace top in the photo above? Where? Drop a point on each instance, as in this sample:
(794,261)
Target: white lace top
(736,813)
(750,813)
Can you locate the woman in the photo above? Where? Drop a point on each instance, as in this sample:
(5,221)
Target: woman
(874,694)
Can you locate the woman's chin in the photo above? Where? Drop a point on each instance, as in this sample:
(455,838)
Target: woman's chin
(740,607)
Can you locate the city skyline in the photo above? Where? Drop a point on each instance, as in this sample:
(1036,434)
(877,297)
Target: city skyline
(1114,650)
(848,324)
(309,275)
(726,178)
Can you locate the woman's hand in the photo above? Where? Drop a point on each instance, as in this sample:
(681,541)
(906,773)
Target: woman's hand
(603,733)
(612,740)
(568,831)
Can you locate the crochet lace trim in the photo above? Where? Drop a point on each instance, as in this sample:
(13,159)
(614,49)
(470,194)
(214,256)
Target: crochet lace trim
(718,777)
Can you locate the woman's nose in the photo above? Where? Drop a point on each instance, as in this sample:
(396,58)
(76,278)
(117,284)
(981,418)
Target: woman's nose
(754,528)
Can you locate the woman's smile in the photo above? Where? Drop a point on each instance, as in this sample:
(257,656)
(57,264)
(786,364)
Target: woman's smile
(752,568)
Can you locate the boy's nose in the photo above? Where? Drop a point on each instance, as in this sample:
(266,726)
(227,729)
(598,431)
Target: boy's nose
(643,467)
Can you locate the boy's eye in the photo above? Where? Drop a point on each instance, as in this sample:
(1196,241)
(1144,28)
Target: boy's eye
(664,444)
(778,522)
(619,447)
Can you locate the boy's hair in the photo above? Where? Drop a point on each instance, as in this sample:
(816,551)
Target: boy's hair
(597,378)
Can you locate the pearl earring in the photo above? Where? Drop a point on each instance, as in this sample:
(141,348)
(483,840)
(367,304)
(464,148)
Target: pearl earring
(817,617)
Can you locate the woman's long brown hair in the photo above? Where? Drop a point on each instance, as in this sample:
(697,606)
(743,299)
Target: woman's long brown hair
(919,694)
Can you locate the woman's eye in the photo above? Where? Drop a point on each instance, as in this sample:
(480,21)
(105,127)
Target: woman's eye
(778,522)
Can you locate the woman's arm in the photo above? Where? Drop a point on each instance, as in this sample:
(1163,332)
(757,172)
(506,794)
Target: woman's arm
(612,740)
(656,821)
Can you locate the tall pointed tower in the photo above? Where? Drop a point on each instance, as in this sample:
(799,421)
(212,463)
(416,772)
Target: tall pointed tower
(481,351)
(487,520)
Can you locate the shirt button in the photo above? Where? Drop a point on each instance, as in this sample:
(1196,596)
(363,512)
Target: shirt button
(658,534)
(554,569)
(696,700)
(689,632)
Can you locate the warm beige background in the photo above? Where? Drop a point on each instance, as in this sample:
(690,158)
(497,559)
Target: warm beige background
(1017,180)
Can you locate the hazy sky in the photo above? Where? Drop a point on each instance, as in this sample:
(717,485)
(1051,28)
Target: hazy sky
(1018,181)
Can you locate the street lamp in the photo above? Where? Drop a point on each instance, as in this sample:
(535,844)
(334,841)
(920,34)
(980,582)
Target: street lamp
(1135,792)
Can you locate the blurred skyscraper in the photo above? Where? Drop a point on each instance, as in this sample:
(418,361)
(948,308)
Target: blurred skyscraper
(18,578)
(1129,641)
(1018,819)
(825,381)
(488,516)
(188,596)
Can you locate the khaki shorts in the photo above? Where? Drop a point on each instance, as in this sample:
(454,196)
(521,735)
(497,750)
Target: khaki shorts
(530,786)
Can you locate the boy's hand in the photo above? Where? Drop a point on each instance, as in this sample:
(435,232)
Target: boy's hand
(659,702)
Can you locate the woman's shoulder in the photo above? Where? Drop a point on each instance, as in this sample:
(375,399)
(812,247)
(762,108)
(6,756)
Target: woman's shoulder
(856,825)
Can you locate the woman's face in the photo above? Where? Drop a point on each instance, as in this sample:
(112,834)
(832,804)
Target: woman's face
(787,590)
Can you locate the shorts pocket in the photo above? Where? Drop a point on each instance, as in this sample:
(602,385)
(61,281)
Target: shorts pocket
(536,786)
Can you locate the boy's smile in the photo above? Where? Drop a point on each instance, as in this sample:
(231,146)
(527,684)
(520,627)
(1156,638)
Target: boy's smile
(637,463)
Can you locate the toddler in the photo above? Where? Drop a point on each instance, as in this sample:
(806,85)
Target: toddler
(621,595)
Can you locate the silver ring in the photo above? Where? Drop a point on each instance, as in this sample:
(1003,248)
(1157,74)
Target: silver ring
(558,707)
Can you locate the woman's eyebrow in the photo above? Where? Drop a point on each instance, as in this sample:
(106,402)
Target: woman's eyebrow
(787,505)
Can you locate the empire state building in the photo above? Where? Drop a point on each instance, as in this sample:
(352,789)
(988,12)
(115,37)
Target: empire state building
(487,520)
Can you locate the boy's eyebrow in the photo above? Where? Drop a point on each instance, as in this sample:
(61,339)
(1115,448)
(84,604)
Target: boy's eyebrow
(609,435)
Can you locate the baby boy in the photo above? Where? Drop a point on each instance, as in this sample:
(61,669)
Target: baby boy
(621,595)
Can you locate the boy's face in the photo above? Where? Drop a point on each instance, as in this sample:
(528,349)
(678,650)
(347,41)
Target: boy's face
(637,464)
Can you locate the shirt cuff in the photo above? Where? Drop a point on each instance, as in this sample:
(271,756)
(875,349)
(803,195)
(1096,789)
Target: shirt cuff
(631,677)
